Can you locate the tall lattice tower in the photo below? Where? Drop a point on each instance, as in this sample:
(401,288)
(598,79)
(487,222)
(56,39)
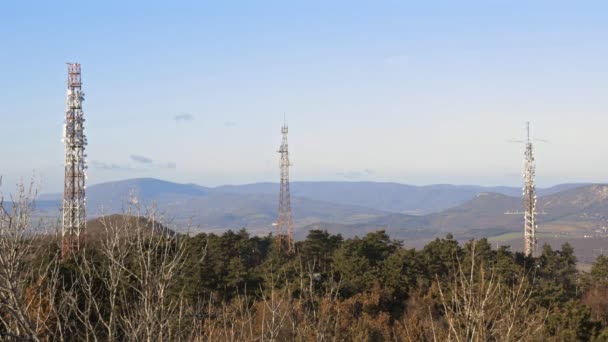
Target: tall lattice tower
(529,198)
(285,220)
(74,201)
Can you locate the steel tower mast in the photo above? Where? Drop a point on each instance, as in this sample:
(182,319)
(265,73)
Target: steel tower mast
(74,201)
(529,193)
(285,220)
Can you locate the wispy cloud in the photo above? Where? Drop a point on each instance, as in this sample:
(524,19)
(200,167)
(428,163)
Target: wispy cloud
(354,174)
(183,117)
(151,163)
(137,163)
(141,159)
(109,166)
(229,123)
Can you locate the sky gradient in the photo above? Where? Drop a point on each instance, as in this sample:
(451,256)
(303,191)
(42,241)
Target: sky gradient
(416,92)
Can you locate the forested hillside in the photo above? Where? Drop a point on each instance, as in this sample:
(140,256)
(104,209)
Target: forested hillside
(137,280)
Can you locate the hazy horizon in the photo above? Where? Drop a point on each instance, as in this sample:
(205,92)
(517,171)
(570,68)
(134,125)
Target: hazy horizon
(319,181)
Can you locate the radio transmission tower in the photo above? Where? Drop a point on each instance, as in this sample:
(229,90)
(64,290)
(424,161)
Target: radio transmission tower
(74,211)
(529,198)
(285,221)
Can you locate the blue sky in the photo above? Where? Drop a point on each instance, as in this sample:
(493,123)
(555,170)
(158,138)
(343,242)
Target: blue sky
(415,92)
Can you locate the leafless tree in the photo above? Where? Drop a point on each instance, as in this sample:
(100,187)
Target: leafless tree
(479,307)
(154,261)
(26,306)
(120,288)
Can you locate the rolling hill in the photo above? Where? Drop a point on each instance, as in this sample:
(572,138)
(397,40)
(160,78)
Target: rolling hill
(391,197)
(351,208)
(576,213)
(387,197)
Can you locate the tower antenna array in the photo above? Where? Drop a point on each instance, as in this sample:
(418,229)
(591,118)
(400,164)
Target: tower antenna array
(74,201)
(529,193)
(285,220)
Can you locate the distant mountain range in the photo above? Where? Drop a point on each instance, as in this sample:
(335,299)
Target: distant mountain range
(414,214)
(390,197)
(342,206)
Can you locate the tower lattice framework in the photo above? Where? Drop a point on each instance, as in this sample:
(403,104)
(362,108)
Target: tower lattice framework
(529,193)
(74,201)
(285,220)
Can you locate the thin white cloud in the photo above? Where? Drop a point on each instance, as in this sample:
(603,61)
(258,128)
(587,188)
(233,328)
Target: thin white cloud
(109,166)
(183,117)
(355,174)
(151,163)
(141,159)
